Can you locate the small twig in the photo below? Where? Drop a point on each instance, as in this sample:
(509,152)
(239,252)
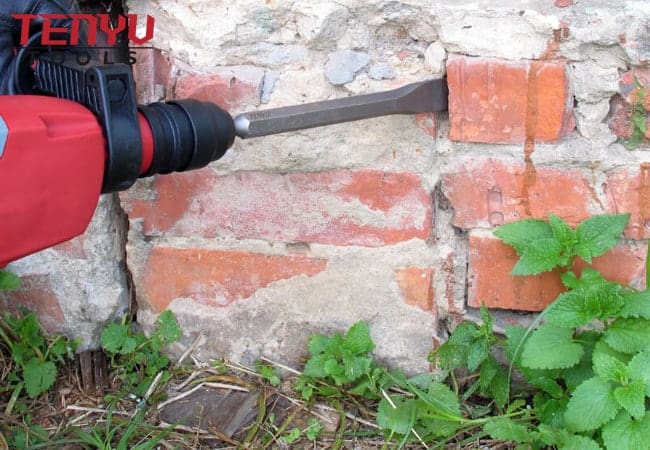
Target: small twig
(179,396)
(152,387)
(189,350)
(349,415)
(193,375)
(242,369)
(233,387)
(281,366)
(95,410)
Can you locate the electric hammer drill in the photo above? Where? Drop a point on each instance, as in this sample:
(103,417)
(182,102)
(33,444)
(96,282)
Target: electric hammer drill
(84,134)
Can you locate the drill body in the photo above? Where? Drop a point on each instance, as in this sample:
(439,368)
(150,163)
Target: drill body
(58,153)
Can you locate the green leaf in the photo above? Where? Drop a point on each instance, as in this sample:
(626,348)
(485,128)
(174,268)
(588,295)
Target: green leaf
(521,233)
(39,376)
(578,442)
(514,342)
(636,304)
(628,335)
(598,234)
(113,337)
(315,366)
(425,380)
(550,410)
(445,398)
(625,433)
(639,369)
(314,429)
(506,429)
(588,277)
(269,373)
(357,339)
(488,371)
(580,306)
(292,436)
(357,366)
(548,385)
(397,420)
(317,344)
(551,347)
(539,256)
(8,281)
(167,329)
(128,346)
(500,389)
(591,405)
(562,232)
(632,398)
(609,368)
(477,354)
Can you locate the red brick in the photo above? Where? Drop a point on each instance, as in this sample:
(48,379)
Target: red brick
(488,193)
(625,264)
(498,101)
(621,107)
(213,277)
(628,88)
(416,285)
(227,91)
(36,295)
(490,280)
(152,68)
(630,193)
(367,208)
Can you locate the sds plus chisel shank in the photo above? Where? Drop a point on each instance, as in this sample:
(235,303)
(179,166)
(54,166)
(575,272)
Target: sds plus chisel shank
(425,96)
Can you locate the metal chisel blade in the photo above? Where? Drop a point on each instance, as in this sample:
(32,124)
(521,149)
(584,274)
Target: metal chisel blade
(425,96)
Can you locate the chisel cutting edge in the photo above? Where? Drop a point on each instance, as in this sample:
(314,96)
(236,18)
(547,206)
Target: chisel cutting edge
(415,98)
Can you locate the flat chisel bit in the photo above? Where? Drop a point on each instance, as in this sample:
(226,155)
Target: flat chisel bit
(415,98)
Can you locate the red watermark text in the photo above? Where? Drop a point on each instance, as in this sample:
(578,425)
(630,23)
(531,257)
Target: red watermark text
(70,36)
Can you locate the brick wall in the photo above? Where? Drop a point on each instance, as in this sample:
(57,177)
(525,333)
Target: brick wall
(388,220)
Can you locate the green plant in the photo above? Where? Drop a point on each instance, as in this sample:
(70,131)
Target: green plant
(269,373)
(639,120)
(419,408)
(122,434)
(593,342)
(343,361)
(136,358)
(586,358)
(36,358)
(8,281)
(582,367)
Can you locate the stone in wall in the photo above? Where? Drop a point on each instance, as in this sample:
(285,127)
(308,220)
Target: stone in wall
(80,286)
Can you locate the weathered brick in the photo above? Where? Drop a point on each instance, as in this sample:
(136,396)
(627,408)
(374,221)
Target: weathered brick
(490,280)
(498,101)
(621,106)
(625,263)
(152,75)
(630,193)
(416,286)
(488,193)
(367,208)
(36,295)
(227,88)
(213,277)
